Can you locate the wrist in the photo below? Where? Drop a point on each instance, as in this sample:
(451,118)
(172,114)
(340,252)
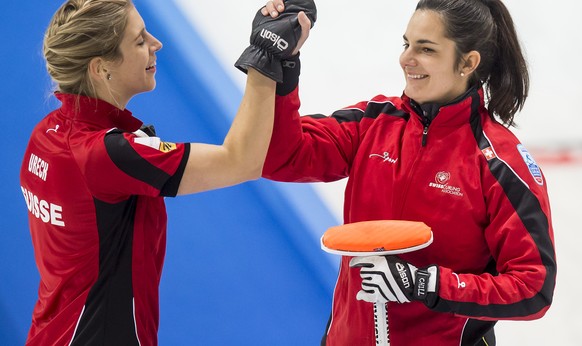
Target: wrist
(258,79)
(291,70)
(257,58)
(426,285)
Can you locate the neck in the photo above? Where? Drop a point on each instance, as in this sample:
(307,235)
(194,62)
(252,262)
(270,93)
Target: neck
(106,93)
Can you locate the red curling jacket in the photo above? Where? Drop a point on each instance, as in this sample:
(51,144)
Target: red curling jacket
(94,185)
(452,167)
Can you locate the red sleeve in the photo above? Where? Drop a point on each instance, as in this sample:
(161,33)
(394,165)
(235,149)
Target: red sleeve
(520,237)
(121,164)
(313,148)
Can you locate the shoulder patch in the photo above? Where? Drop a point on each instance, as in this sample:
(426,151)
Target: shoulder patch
(167,147)
(156,143)
(489,153)
(533,167)
(152,142)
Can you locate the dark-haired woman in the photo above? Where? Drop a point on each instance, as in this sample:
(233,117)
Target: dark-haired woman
(442,153)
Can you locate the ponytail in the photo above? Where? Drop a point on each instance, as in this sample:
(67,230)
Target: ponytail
(486,26)
(508,82)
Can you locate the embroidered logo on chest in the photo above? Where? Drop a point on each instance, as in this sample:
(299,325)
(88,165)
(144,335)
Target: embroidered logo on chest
(441,182)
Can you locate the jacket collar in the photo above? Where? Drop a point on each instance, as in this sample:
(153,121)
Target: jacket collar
(97,112)
(458,111)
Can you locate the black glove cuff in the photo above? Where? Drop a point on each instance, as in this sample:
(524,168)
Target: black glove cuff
(421,284)
(291,70)
(261,61)
(426,286)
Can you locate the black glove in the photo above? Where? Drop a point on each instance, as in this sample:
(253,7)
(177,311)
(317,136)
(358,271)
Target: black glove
(274,39)
(388,278)
(291,70)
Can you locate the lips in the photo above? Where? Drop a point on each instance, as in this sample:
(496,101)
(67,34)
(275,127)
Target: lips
(151,67)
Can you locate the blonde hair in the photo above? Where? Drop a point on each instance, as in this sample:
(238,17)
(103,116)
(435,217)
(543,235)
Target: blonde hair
(79,31)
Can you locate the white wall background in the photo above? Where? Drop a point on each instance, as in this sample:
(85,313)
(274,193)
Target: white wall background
(352,55)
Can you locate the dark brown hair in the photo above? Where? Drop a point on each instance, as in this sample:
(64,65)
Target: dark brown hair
(486,26)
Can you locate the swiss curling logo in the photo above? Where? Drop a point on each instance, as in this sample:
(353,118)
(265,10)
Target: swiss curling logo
(442,178)
(441,182)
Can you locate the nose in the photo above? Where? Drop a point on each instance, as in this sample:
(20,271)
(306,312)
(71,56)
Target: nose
(407,58)
(157,44)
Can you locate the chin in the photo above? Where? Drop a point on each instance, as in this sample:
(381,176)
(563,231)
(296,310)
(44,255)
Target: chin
(422,98)
(415,96)
(150,87)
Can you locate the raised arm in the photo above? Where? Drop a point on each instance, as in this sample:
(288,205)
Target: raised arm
(241,156)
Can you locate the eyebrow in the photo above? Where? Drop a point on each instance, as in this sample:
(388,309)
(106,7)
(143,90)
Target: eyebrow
(141,34)
(421,41)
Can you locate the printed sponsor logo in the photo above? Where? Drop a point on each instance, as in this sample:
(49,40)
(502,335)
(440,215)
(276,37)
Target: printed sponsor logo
(421,286)
(45,211)
(460,284)
(402,272)
(167,147)
(156,143)
(152,142)
(533,167)
(277,40)
(55,129)
(38,166)
(441,182)
(385,157)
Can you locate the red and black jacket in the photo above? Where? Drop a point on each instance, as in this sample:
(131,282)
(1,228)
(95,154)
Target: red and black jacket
(94,190)
(452,167)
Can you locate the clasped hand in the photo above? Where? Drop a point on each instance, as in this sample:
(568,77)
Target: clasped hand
(276,36)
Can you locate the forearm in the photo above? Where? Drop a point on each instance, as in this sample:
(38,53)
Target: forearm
(248,139)
(242,154)
(518,283)
(516,296)
(309,148)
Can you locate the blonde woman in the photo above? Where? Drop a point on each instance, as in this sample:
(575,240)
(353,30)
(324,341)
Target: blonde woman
(94,178)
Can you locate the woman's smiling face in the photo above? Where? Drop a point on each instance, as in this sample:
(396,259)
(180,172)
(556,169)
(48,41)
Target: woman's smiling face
(429,61)
(135,72)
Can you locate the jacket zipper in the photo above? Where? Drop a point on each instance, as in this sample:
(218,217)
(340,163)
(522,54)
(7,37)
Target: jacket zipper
(426,123)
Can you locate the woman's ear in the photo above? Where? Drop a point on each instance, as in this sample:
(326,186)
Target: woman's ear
(470,62)
(97,70)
